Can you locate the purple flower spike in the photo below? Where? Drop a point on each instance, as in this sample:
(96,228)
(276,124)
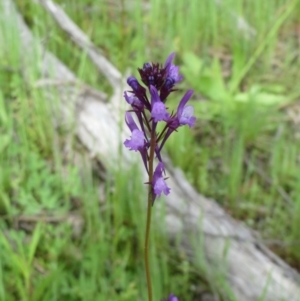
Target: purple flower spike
(158,183)
(148,104)
(137,141)
(185,113)
(158,108)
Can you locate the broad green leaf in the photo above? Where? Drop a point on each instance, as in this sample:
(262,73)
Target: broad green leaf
(193,63)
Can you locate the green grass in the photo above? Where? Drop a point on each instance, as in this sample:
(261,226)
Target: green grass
(44,260)
(44,255)
(244,151)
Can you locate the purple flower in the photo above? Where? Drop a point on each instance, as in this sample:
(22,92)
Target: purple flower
(137,141)
(138,90)
(135,85)
(172,77)
(134,101)
(172,298)
(187,117)
(158,183)
(185,113)
(169,60)
(183,116)
(172,70)
(158,108)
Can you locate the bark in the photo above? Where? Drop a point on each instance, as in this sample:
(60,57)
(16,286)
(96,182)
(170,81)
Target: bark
(251,270)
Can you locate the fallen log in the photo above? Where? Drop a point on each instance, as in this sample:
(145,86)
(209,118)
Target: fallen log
(251,270)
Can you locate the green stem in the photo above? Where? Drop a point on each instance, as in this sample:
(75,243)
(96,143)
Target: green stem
(149,210)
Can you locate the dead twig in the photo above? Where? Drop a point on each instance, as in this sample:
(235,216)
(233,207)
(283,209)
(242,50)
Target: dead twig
(82,41)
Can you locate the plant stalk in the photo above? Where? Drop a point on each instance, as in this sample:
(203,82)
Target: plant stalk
(149,210)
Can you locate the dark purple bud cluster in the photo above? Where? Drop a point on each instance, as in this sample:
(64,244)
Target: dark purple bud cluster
(148,105)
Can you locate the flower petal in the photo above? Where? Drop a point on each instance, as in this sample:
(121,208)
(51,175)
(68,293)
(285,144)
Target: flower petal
(137,141)
(183,101)
(172,70)
(173,298)
(159,185)
(169,60)
(134,84)
(187,116)
(174,74)
(159,112)
(158,108)
(130,122)
(133,101)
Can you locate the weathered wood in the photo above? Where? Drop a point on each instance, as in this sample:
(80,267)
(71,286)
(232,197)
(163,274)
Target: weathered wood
(249,267)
